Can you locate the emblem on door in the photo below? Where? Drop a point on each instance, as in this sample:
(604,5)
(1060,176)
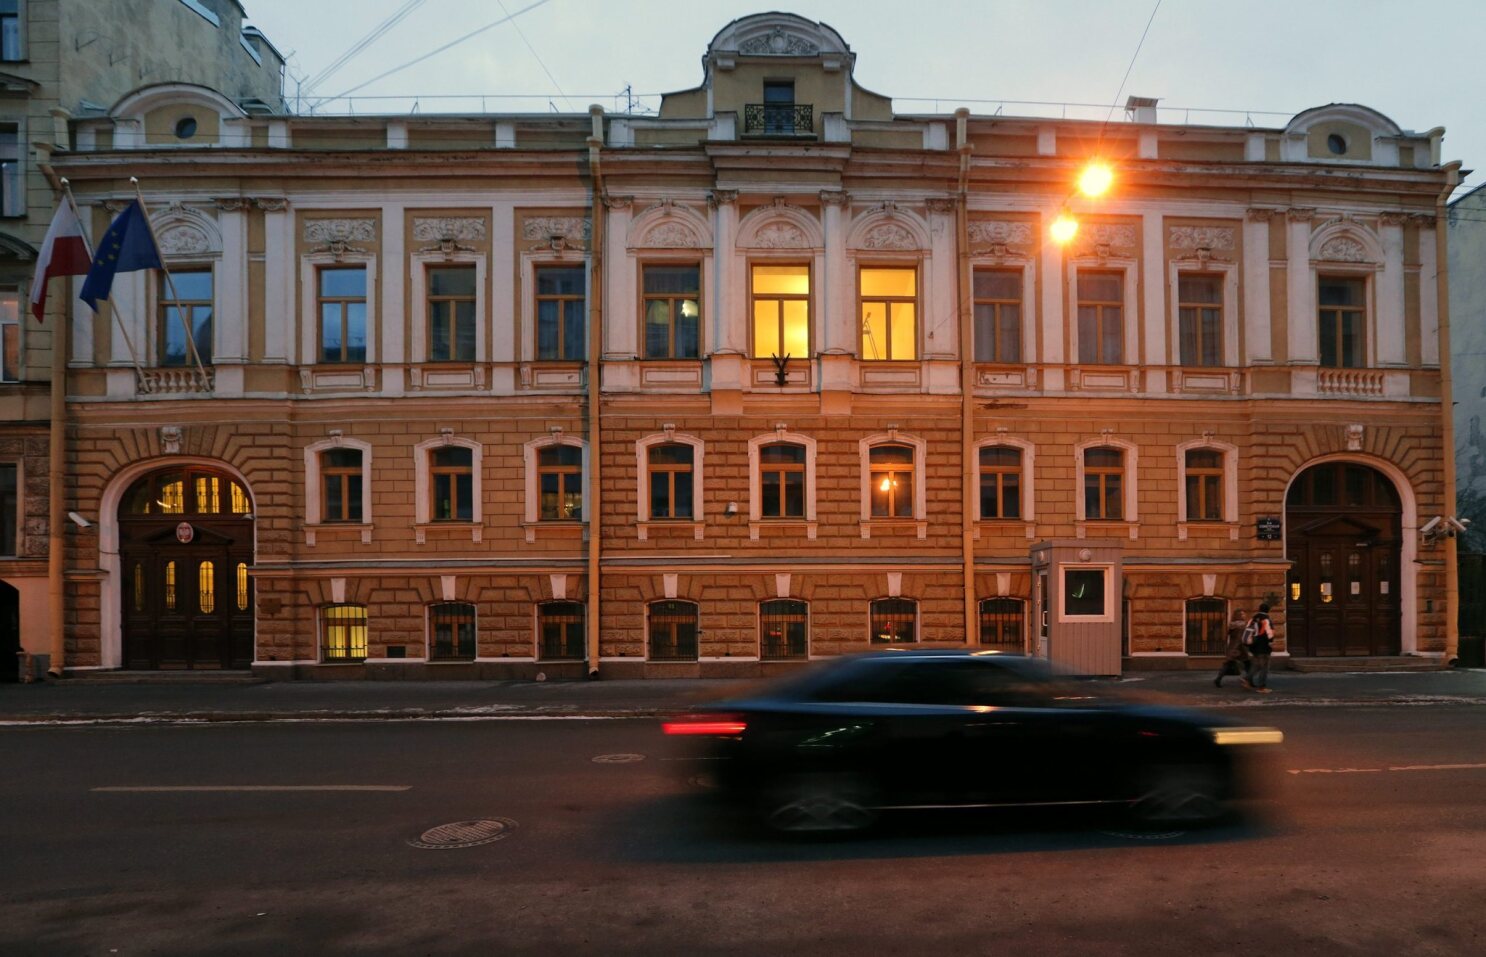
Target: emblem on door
(184,533)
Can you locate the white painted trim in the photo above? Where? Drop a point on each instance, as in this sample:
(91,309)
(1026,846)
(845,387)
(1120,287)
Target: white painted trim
(1130,480)
(423,479)
(1111,600)
(309,271)
(530,261)
(1029,470)
(1228,272)
(1130,271)
(642,461)
(312,490)
(920,483)
(110,604)
(419,263)
(1027,266)
(1230,477)
(529,450)
(755,489)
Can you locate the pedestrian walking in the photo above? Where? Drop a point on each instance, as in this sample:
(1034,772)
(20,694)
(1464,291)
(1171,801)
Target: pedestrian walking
(1236,654)
(1259,636)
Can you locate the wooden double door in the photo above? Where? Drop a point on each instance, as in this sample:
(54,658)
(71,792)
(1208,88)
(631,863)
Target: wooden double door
(187,605)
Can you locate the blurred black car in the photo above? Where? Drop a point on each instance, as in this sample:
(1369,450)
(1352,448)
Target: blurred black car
(831,748)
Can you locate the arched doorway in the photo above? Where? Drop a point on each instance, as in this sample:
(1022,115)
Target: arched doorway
(185,544)
(1343,536)
(10,632)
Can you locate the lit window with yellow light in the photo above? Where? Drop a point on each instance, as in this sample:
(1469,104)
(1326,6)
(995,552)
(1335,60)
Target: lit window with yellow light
(672,311)
(889,313)
(892,481)
(781,311)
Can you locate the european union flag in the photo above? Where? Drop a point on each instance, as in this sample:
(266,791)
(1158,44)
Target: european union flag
(127,246)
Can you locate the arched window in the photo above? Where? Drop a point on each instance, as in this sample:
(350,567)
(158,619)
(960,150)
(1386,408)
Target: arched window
(782,480)
(784,629)
(343,633)
(452,484)
(893,621)
(892,481)
(451,629)
(1002,623)
(560,631)
(206,587)
(672,630)
(1207,626)
(185,492)
(340,485)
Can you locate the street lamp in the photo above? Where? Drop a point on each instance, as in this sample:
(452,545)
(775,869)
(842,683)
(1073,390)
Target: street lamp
(1096,179)
(1064,228)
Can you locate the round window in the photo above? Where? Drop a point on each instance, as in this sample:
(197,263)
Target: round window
(1337,143)
(185,127)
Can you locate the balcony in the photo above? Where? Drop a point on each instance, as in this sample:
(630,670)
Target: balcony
(184,380)
(779,119)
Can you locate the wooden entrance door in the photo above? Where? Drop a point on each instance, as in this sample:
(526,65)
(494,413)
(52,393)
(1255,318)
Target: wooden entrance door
(185,549)
(1343,528)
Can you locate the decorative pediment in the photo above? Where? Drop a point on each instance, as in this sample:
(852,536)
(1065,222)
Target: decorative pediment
(558,231)
(1345,240)
(339,236)
(778,42)
(1105,239)
(780,226)
(668,225)
(184,230)
(441,228)
(889,227)
(998,235)
(1203,241)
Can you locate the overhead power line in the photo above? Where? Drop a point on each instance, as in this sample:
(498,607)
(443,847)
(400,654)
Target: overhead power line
(360,45)
(435,52)
(534,53)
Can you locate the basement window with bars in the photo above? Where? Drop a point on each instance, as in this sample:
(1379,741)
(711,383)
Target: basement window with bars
(343,633)
(1207,626)
(560,626)
(451,626)
(894,621)
(784,629)
(673,630)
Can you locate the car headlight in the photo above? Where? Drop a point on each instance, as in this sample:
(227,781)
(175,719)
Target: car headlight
(1247,735)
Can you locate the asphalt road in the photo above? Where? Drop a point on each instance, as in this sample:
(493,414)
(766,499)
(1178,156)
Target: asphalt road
(1376,846)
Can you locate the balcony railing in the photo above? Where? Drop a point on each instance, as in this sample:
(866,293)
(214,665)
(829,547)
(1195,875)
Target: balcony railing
(778,119)
(175,381)
(1349,382)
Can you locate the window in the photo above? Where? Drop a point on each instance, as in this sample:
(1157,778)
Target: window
(242,586)
(10,335)
(451,314)
(1200,319)
(1342,304)
(174,492)
(342,304)
(894,621)
(889,304)
(1085,592)
(1101,324)
(1001,623)
(343,632)
(10,502)
(186,303)
(206,587)
(340,478)
(1204,475)
(12,185)
(1000,482)
(560,313)
(779,102)
(452,480)
(892,481)
(784,629)
(670,471)
(10,30)
(560,626)
(560,483)
(1104,471)
(673,631)
(452,631)
(782,480)
(1207,626)
(673,311)
(998,315)
(781,311)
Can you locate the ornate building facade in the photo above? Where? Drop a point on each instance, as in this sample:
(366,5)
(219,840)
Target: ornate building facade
(775,374)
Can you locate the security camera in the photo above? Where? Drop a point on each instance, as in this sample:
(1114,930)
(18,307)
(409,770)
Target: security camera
(79,521)
(1457,524)
(1429,526)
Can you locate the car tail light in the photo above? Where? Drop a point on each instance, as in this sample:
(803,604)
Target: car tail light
(712,725)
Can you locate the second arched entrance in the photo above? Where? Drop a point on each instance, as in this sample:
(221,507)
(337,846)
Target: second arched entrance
(1343,539)
(185,544)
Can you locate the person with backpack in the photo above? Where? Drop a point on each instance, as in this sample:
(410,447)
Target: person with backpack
(1259,636)
(1236,654)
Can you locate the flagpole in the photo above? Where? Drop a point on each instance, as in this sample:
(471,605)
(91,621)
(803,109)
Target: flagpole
(175,298)
(56,553)
(112,306)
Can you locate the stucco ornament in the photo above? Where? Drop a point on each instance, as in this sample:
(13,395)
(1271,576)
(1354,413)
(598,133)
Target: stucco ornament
(1214,238)
(449,227)
(340,231)
(780,236)
(1341,249)
(1107,234)
(571,228)
(170,439)
(889,236)
(778,43)
(183,239)
(999,232)
(671,235)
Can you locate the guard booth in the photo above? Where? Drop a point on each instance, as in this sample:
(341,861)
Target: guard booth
(1076,593)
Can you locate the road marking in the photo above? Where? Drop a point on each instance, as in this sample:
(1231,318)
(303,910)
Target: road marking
(157,789)
(1400,767)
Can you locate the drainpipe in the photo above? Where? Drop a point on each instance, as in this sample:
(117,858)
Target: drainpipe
(1447,407)
(595,351)
(57,491)
(967,377)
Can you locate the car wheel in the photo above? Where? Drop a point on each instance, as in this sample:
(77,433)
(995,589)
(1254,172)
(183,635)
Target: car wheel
(820,804)
(1178,794)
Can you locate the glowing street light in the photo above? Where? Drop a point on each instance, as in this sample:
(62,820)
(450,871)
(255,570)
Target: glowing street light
(1095,179)
(1064,228)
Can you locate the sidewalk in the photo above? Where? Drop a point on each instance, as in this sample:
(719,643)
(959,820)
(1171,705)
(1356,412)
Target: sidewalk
(82,701)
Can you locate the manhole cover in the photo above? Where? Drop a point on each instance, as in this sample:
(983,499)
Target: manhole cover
(464,834)
(1147,835)
(618,758)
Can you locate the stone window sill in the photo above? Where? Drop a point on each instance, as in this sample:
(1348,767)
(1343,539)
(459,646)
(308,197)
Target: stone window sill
(889,525)
(337,530)
(757,525)
(644,528)
(420,531)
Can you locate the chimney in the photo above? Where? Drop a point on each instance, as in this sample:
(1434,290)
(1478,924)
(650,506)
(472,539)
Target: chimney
(1141,109)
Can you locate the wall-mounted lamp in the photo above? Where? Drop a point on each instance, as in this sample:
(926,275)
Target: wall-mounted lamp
(79,521)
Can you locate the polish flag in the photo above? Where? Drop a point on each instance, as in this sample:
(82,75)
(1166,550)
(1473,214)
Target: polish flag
(63,253)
